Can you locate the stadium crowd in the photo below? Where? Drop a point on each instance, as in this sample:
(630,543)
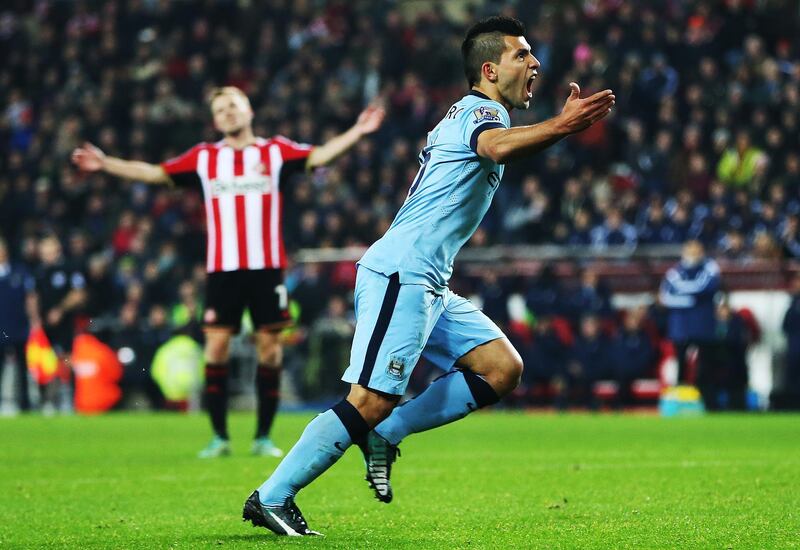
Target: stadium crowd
(705,143)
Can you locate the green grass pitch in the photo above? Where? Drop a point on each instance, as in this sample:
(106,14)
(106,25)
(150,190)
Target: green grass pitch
(493,480)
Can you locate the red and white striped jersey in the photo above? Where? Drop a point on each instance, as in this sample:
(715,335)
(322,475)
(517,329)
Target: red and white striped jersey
(242,198)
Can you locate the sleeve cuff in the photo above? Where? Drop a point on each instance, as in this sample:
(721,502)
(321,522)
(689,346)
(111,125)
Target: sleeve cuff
(473,140)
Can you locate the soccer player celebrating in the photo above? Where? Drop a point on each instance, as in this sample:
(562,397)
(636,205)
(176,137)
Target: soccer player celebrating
(241,181)
(403,306)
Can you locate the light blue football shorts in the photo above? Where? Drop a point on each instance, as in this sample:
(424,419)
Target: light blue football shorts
(397,323)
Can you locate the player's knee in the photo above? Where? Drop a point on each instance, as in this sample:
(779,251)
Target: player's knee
(269,349)
(374,407)
(216,349)
(270,354)
(509,372)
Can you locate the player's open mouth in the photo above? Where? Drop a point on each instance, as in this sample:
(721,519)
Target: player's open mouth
(529,85)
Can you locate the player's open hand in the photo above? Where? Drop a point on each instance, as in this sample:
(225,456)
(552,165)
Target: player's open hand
(88,158)
(370,119)
(580,113)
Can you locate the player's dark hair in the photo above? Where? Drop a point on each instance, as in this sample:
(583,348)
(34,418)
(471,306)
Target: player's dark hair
(484,42)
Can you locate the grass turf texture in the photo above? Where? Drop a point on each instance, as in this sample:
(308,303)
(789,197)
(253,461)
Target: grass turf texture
(494,480)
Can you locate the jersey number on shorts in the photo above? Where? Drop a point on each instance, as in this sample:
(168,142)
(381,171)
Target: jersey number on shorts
(283,296)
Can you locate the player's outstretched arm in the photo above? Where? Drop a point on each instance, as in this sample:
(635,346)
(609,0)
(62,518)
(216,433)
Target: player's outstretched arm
(368,121)
(91,159)
(506,144)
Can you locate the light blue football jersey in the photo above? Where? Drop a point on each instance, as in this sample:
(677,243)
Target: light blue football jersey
(447,199)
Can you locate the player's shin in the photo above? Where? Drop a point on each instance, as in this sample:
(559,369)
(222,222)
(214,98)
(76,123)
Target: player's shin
(217,397)
(268,380)
(323,442)
(449,398)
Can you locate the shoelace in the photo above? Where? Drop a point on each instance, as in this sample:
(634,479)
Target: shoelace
(296,516)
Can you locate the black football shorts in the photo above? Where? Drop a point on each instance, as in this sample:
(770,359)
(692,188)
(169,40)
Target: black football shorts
(261,291)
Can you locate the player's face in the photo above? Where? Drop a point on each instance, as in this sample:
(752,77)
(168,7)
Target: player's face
(516,72)
(232,113)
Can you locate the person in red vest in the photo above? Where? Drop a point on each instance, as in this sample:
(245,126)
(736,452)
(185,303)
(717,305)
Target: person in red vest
(97,375)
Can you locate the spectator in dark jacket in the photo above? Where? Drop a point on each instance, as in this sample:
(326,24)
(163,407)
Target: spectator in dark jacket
(592,297)
(614,231)
(688,291)
(544,295)
(791,327)
(656,227)
(544,357)
(588,362)
(494,297)
(60,295)
(722,379)
(16,287)
(580,233)
(632,355)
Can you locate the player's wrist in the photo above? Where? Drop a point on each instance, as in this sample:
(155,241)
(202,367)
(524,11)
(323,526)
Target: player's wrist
(560,125)
(358,132)
(104,163)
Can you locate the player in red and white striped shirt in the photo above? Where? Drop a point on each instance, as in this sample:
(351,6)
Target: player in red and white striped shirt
(241,181)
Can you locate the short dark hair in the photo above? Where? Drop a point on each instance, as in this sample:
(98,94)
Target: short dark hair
(484,42)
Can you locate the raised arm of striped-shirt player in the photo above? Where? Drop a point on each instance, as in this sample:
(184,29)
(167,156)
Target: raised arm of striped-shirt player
(241,177)
(233,117)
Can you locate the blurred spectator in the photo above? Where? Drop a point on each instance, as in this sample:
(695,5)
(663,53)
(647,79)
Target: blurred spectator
(545,295)
(126,342)
(615,231)
(698,179)
(589,360)
(60,294)
(525,219)
(329,348)
(494,297)
(688,291)
(765,248)
(791,328)
(632,355)
(790,236)
(656,227)
(740,165)
(187,314)
(580,233)
(659,80)
(154,333)
(734,247)
(545,359)
(102,298)
(592,297)
(722,380)
(16,288)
